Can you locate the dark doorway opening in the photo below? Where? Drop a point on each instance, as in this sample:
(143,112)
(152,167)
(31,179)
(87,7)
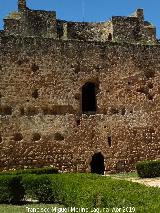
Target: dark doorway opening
(97,164)
(89,98)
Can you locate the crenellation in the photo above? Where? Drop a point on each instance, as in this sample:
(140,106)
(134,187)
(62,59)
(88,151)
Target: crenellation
(138,14)
(22,5)
(31,23)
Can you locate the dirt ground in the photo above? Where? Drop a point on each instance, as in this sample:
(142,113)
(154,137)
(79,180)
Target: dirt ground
(147,181)
(155,182)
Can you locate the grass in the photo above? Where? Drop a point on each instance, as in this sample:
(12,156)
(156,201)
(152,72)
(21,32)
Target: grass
(98,191)
(95,192)
(44,208)
(125,175)
(50,208)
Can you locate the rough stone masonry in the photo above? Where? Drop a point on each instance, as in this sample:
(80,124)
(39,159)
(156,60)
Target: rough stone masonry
(77,96)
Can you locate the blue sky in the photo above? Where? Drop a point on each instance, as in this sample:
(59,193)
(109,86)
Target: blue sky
(92,10)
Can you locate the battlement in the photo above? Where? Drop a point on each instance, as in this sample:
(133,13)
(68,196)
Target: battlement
(41,23)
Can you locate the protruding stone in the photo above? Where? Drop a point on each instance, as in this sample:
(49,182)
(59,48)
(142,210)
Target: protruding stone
(21,5)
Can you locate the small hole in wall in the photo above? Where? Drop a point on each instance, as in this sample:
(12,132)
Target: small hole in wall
(143,90)
(72,65)
(134,132)
(18,137)
(105,127)
(20,62)
(0,95)
(129,83)
(114,111)
(36,137)
(105,111)
(8,110)
(58,137)
(0,139)
(109,141)
(152,130)
(35,94)
(149,74)
(76,71)
(5,110)
(92,136)
(123,111)
(150,85)
(77,68)
(21,109)
(34,67)
(31,111)
(77,96)
(150,97)
(131,111)
(78,122)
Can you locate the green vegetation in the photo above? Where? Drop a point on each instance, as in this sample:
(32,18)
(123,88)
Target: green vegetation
(148,169)
(45,208)
(79,190)
(39,188)
(47,170)
(11,189)
(125,175)
(94,191)
(50,208)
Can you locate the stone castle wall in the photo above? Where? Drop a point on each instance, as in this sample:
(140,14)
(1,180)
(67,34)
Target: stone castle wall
(44,65)
(41,117)
(31,23)
(39,23)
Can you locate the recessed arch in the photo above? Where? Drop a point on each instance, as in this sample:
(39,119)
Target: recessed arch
(36,136)
(97,163)
(89,104)
(18,136)
(58,136)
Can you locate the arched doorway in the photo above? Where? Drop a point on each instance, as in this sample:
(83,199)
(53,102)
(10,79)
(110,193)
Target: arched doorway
(89,98)
(97,164)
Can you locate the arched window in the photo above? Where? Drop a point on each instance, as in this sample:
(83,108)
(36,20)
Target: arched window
(89,98)
(109,37)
